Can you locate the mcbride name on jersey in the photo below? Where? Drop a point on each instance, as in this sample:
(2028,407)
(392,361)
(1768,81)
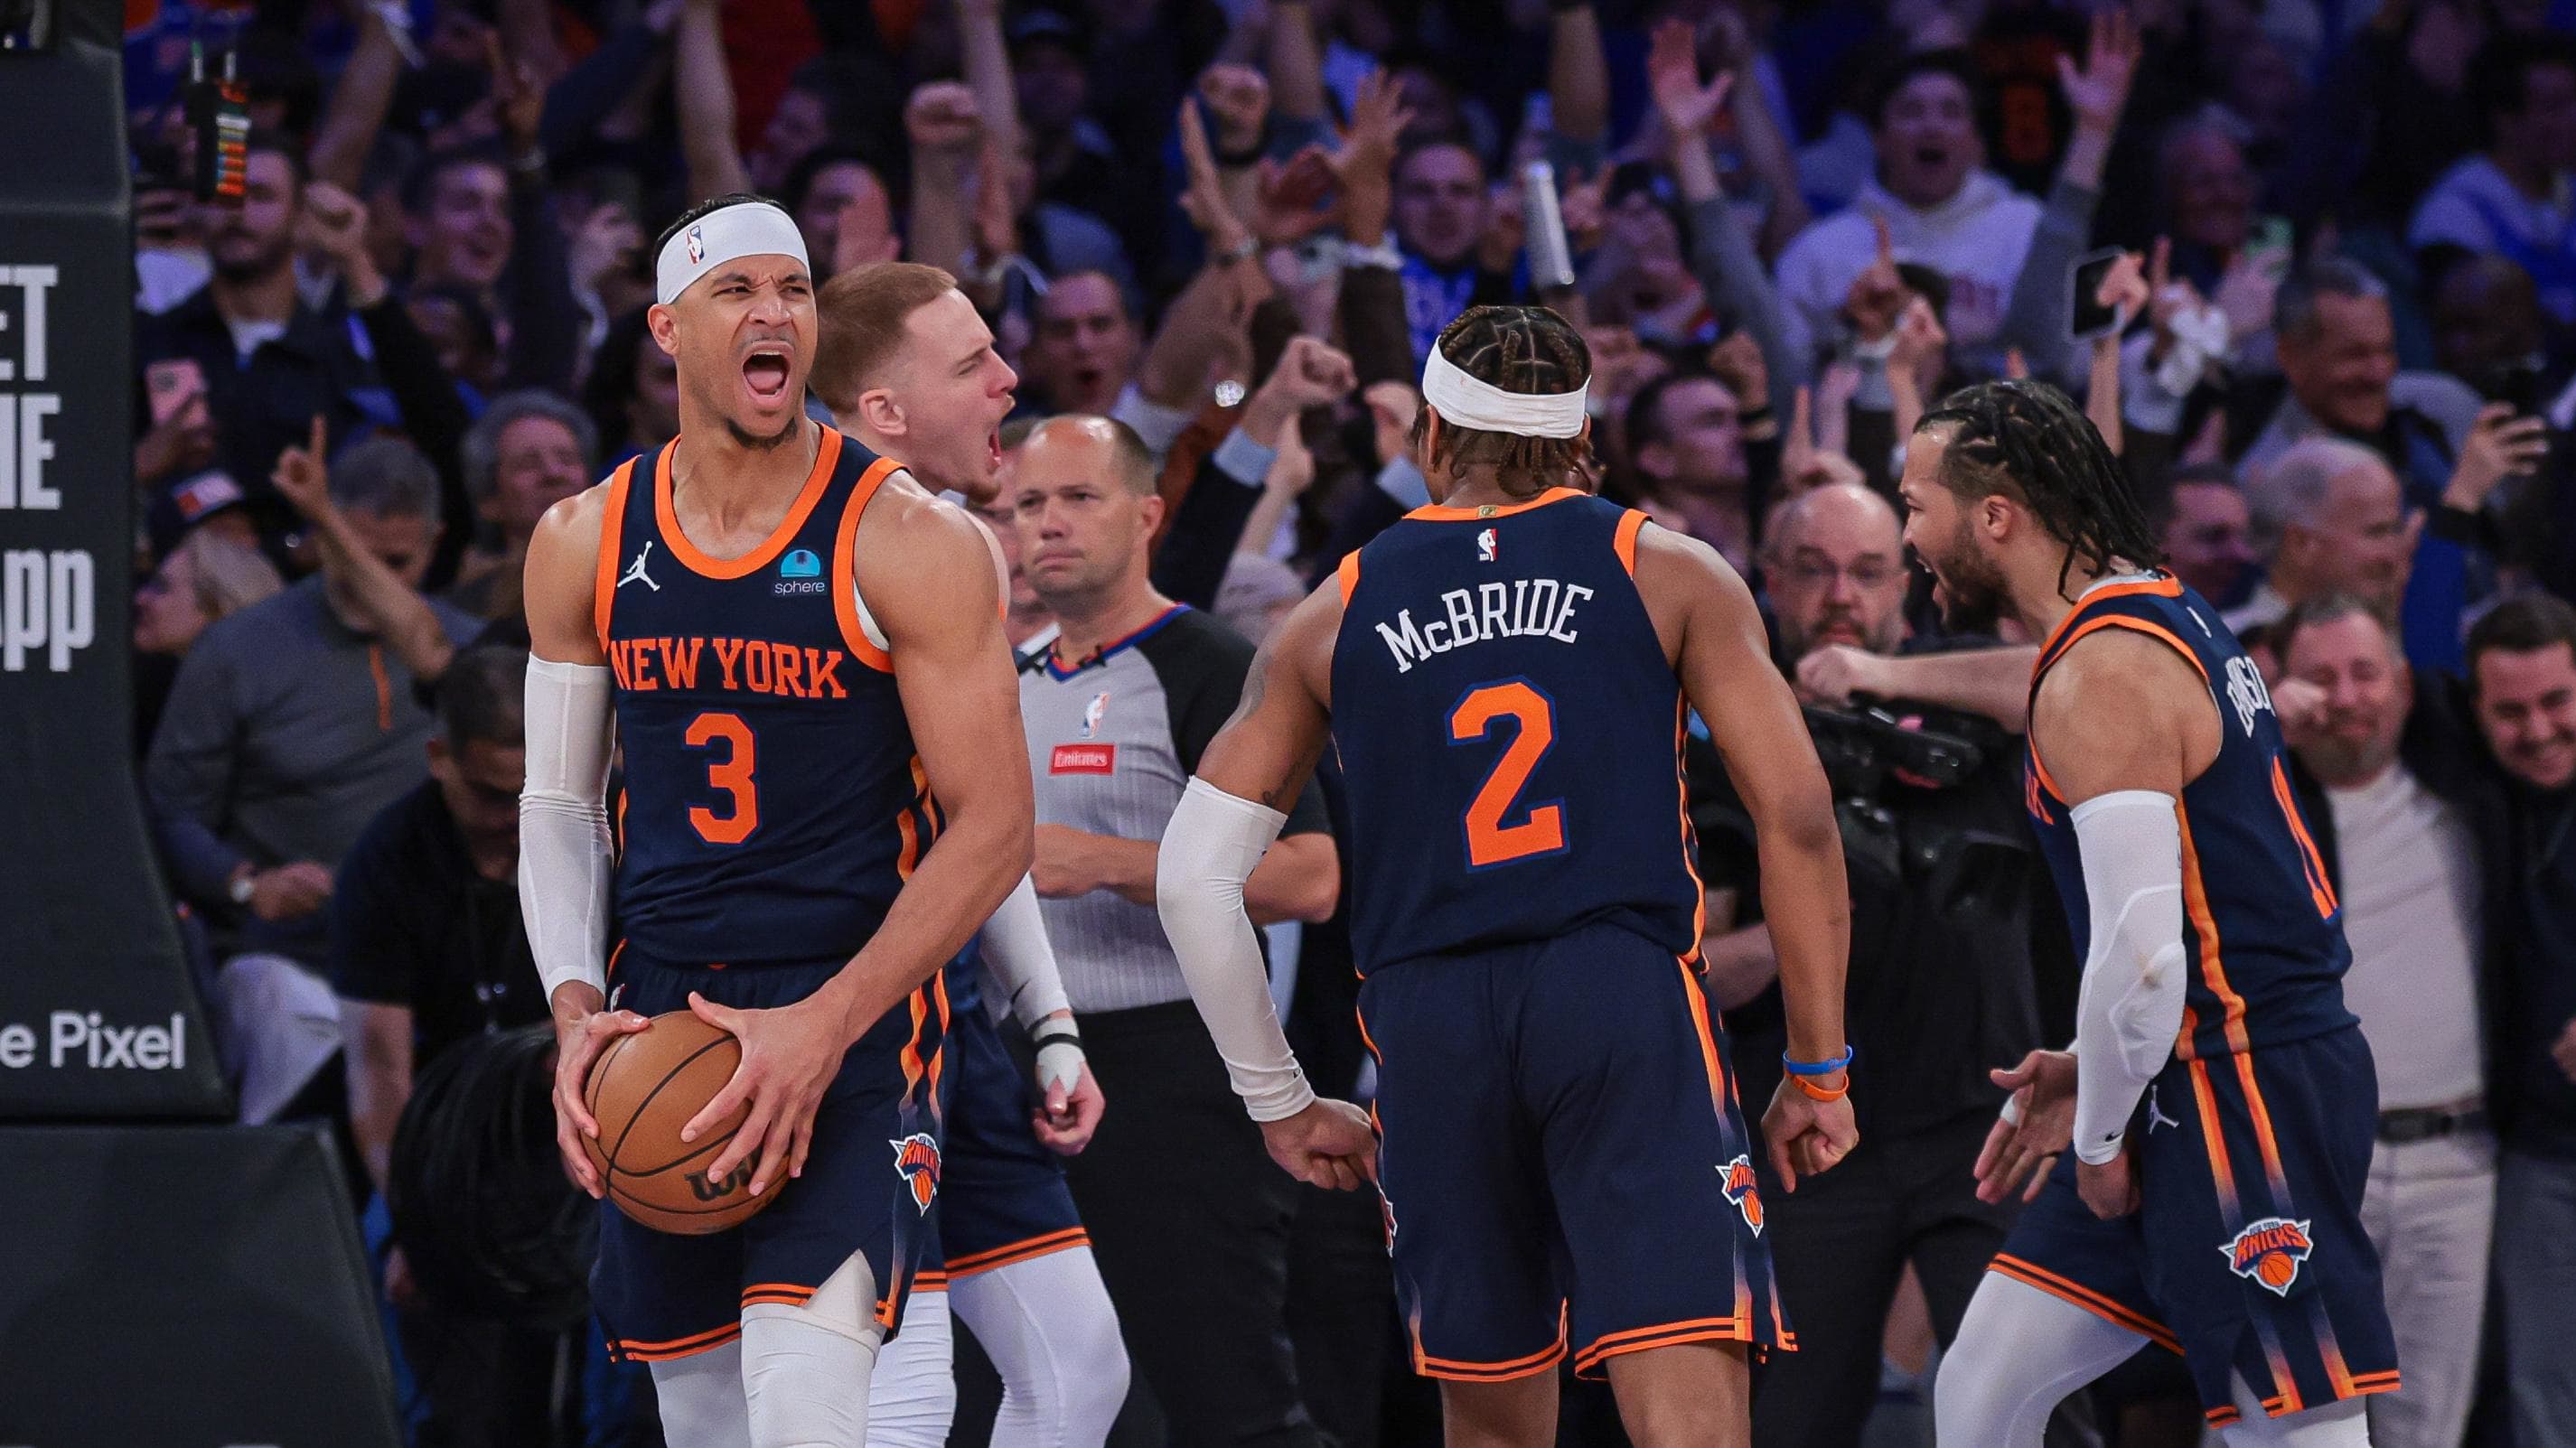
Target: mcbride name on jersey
(1521,608)
(1510,728)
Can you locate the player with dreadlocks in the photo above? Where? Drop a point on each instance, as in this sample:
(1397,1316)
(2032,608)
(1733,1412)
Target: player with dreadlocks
(1504,676)
(2219,1098)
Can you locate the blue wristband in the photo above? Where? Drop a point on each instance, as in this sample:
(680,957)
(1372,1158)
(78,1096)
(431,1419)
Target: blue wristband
(1817,1068)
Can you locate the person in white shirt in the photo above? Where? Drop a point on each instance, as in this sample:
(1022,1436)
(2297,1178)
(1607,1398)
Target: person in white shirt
(2404,861)
(1941,207)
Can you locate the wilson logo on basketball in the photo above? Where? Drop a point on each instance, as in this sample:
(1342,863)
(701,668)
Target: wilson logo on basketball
(2269,1251)
(1740,1191)
(916,1160)
(1083,759)
(707,1191)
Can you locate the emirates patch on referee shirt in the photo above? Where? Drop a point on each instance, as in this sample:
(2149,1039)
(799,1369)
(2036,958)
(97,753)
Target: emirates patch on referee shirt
(1083,759)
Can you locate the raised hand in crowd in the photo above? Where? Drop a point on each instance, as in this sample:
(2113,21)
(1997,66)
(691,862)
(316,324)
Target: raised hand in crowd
(2124,288)
(1288,197)
(1392,406)
(606,240)
(180,441)
(2099,92)
(334,226)
(1808,462)
(1737,361)
(1311,373)
(386,604)
(518,96)
(1204,199)
(2499,446)
(1688,108)
(1914,367)
(1362,168)
(1879,294)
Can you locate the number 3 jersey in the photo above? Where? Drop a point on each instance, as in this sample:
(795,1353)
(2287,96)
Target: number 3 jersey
(773,802)
(1511,731)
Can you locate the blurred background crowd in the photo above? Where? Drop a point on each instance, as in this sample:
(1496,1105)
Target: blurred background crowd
(2310,265)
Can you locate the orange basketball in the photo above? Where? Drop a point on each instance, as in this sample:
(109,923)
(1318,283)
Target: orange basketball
(2276,1269)
(643,1088)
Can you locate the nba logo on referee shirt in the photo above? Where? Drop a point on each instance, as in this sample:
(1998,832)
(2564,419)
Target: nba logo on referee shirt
(2269,1251)
(1092,714)
(697,243)
(1487,545)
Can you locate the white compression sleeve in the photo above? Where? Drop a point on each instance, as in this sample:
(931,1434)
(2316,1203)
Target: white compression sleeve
(563,822)
(2018,1353)
(2130,1009)
(1209,850)
(1021,959)
(805,1370)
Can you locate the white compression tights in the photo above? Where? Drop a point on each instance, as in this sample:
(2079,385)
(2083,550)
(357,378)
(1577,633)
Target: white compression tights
(797,1378)
(1051,1333)
(912,1398)
(2020,1351)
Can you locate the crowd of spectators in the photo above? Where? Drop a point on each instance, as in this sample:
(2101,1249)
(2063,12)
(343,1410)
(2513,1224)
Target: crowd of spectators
(2337,360)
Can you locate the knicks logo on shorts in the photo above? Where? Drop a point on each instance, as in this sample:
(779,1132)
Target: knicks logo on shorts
(1740,1191)
(2269,1251)
(916,1160)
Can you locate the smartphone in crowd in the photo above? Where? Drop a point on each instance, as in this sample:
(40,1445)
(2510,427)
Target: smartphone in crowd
(2088,318)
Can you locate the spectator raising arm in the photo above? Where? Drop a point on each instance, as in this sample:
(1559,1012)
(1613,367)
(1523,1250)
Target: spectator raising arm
(702,90)
(546,324)
(946,127)
(988,74)
(358,103)
(1371,301)
(1208,525)
(2040,313)
(1296,66)
(394,610)
(1578,82)
(1723,258)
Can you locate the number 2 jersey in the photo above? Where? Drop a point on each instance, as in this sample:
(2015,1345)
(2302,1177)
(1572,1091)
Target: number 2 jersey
(2259,914)
(773,803)
(1511,731)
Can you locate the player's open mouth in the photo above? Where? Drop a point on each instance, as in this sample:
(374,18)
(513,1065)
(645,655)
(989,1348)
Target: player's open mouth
(765,372)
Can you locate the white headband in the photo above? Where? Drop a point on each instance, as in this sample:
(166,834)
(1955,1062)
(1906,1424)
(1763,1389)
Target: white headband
(747,228)
(1465,402)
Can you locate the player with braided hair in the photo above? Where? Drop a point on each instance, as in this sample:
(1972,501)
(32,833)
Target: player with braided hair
(1505,676)
(2218,1098)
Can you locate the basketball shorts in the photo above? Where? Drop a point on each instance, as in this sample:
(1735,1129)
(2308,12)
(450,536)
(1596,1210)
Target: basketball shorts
(2247,1256)
(871,1177)
(1563,1160)
(1002,1195)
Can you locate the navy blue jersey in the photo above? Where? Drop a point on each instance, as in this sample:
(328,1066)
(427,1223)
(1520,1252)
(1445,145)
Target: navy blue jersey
(2260,918)
(773,802)
(1511,732)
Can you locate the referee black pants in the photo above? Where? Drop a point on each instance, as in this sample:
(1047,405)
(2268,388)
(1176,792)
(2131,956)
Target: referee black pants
(1189,1221)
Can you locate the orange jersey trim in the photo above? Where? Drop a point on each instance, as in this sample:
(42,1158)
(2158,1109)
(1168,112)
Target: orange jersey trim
(2032,1275)
(825,457)
(2164,585)
(1021,1251)
(2213,966)
(2320,888)
(1624,541)
(612,526)
(845,568)
(1690,842)
(1441,513)
(678,1347)
(1646,1339)
(1349,573)
(1460,1371)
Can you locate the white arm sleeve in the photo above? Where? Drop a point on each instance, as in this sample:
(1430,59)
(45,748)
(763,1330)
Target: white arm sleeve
(1208,851)
(563,822)
(1021,960)
(2130,1011)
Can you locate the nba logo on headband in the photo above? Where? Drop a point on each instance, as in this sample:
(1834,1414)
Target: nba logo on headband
(697,244)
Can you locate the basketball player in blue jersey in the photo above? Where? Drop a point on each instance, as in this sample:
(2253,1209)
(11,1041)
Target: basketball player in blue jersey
(1505,676)
(800,652)
(908,368)
(2219,1100)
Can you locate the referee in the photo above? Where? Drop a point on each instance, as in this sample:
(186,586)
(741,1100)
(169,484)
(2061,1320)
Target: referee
(1188,1217)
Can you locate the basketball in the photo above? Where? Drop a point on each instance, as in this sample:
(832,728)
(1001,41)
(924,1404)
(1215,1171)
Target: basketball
(2276,1269)
(642,1090)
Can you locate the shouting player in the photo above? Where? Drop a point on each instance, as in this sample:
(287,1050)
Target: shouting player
(908,368)
(1505,676)
(2221,1098)
(801,653)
